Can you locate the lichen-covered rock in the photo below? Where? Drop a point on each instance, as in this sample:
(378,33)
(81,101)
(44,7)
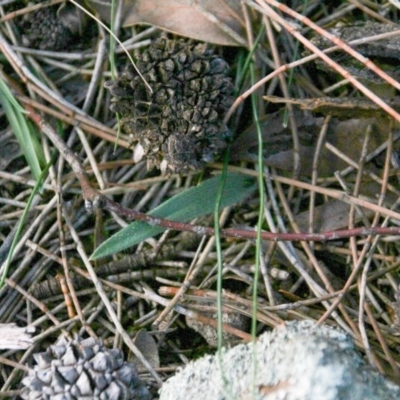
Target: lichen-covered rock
(82,369)
(300,361)
(179,123)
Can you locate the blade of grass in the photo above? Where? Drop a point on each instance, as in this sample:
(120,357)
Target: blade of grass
(217,209)
(259,225)
(21,222)
(247,64)
(113,67)
(291,71)
(23,131)
(219,250)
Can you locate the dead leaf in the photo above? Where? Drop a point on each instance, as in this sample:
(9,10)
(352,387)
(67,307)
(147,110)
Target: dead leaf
(148,347)
(73,18)
(278,143)
(214,21)
(334,214)
(347,136)
(330,216)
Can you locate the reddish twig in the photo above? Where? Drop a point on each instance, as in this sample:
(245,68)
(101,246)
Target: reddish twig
(94,199)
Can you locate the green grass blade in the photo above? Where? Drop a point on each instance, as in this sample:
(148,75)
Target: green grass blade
(7,95)
(22,220)
(260,221)
(24,133)
(218,247)
(192,203)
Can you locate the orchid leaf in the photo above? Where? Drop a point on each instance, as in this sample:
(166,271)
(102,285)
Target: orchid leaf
(192,203)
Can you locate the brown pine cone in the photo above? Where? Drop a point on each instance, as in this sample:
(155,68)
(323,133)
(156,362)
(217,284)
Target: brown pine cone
(52,28)
(179,125)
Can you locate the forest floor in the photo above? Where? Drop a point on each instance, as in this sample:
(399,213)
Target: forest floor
(310,218)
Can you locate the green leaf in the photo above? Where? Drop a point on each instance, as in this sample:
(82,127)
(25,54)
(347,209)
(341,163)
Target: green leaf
(23,132)
(192,203)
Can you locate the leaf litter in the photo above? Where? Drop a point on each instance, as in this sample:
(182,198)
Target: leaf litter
(344,158)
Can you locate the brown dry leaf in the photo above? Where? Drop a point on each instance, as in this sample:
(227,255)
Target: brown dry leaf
(148,347)
(214,21)
(334,214)
(277,141)
(347,136)
(330,216)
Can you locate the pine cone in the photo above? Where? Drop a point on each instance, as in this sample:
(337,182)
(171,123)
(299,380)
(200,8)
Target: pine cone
(52,28)
(179,125)
(82,369)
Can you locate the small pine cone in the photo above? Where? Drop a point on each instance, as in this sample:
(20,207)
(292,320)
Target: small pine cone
(82,369)
(52,28)
(179,125)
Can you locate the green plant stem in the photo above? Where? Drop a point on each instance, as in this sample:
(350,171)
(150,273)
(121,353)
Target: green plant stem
(112,40)
(259,225)
(248,61)
(219,269)
(218,246)
(21,222)
(112,65)
(291,71)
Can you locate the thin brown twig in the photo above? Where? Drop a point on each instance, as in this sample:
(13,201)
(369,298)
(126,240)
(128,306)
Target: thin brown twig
(31,8)
(341,44)
(382,340)
(37,303)
(65,115)
(98,285)
(95,199)
(322,55)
